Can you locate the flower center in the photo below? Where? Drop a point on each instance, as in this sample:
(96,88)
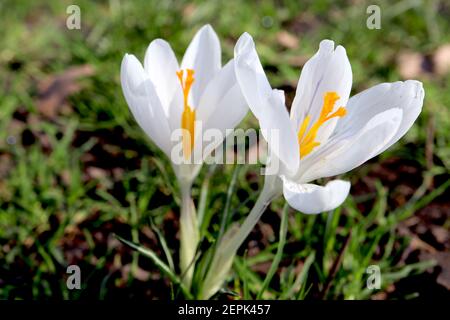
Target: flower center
(307,137)
(188,115)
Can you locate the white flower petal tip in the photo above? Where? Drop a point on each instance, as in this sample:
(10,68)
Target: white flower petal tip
(203,55)
(314,199)
(161,65)
(415,92)
(207,28)
(244,44)
(245,54)
(328,71)
(266,104)
(407,96)
(207,31)
(143,102)
(326,45)
(158,44)
(204,35)
(418,86)
(131,71)
(250,75)
(158,52)
(411,105)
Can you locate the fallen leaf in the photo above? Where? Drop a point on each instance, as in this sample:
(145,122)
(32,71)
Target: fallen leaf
(441,59)
(441,234)
(287,39)
(416,243)
(305,23)
(66,177)
(189,11)
(297,61)
(262,267)
(410,64)
(96,173)
(379,296)
(443,259)
(443,262)
(54,90)
(6,165)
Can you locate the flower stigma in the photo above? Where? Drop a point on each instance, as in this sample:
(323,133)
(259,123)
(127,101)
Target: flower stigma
(307,137)
(188,115)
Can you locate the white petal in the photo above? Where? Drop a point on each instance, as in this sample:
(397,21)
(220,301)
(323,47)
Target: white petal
(222,105)
(352,148)
(327,71)
(313,199)
(215,91)
(144,102)
(250,74)
(407,96)
(415,94)
(230,111)
(266,104)
(203,56)
(161,65)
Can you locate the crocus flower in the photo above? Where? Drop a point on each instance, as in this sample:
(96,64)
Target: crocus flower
(166,98)
(327,133)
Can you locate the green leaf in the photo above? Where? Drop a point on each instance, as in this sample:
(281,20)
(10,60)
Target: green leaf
(164,245)
(164,268)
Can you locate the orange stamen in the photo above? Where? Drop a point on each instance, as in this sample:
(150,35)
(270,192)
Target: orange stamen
(307,138)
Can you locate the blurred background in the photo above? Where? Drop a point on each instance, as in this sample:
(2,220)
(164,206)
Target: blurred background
(75,168)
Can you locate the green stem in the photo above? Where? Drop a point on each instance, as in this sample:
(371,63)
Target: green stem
(279,254)
(270,191)
(204,193)
(233,239)
(189,234)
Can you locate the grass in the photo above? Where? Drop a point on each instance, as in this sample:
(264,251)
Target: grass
(68,183)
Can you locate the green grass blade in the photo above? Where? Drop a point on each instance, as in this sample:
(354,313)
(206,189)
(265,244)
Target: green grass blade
(164,245)
(230,192)
(164,268)
(279,254)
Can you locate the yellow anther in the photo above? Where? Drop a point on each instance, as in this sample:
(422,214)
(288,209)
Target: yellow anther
(307,138)
(188,115)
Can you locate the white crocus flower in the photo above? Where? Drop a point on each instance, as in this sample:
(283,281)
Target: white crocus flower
(165,97)
(326,134)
